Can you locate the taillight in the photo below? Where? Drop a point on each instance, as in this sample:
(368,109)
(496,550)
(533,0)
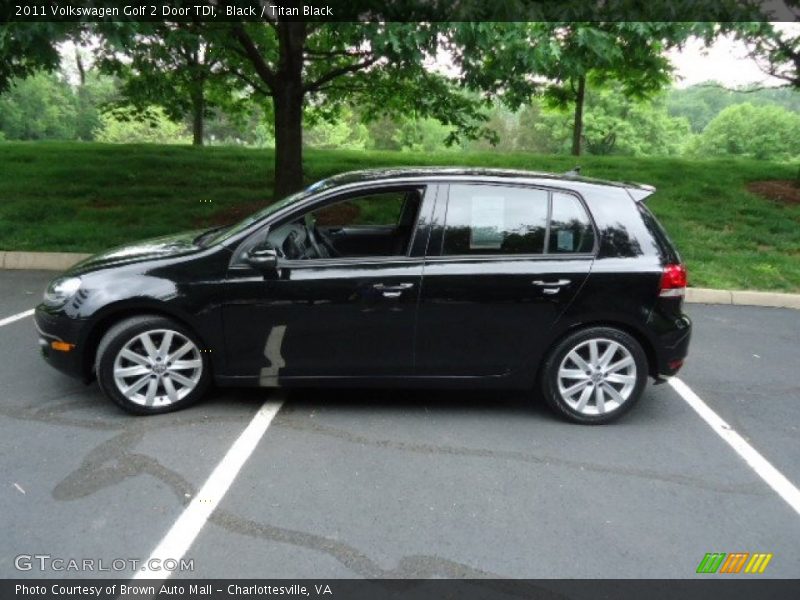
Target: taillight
(673,281)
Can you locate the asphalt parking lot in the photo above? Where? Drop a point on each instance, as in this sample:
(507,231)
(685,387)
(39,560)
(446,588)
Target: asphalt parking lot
(409,484)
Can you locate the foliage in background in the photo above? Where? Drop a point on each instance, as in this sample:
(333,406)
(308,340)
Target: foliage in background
(613,124)
(308,71)
(172,65)
(150,125)
(762,132)
(345,133)
(39,107)
(562,60)
(45,107)
(702,102)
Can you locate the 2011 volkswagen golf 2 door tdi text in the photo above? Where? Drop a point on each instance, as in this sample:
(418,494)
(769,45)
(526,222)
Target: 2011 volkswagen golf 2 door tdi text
(406,277)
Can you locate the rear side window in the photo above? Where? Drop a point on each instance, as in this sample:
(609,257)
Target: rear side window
(491,219)
(570,228)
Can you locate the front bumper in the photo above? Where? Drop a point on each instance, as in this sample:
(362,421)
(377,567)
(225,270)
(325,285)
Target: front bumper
(57,327)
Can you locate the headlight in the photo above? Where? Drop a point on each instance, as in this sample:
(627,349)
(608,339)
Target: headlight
(60,290)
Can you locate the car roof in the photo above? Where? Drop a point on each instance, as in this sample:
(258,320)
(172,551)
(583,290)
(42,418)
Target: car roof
(639,191)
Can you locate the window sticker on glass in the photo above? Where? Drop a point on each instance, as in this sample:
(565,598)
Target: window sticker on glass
(565,240)
(487,221)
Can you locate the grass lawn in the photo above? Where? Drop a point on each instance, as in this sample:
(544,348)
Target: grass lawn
(85,197)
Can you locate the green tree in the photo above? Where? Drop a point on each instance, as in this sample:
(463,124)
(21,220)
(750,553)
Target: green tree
(346,133)
(503,125)
(317,67)
(764,132)
(562,59)
(558,59)
(42,106)
(423,134)
(699,103)
(172,65)
(776,51)
(702,102)
(616,124)
(95,93)
(136,126)
(629,53)
(384,133)
(537,130)
(26,48)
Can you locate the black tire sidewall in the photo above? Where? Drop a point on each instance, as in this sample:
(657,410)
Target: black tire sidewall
(119,335)
(549,378)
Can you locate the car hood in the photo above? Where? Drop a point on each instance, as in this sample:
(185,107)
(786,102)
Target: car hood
(161,247)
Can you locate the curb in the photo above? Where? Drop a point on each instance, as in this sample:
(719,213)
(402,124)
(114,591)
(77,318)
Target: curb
(742,298)
(60,261)
(45,261)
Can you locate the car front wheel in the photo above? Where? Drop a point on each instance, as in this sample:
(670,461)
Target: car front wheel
(595,375)
(150,365)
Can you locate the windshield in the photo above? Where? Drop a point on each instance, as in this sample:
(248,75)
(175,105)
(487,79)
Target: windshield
(231,231)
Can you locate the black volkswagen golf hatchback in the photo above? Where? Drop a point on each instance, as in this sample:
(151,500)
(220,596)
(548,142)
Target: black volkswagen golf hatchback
(403,277)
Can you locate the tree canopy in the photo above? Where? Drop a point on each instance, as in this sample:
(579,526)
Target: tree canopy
(432,77)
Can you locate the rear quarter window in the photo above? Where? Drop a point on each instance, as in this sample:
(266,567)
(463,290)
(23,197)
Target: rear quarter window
(570,227)
(669,253)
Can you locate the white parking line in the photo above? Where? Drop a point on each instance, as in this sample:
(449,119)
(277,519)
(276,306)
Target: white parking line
(774,478)
(180,537)
(16,317)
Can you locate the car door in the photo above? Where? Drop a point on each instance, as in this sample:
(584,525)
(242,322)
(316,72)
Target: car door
(351,315)
(503,264)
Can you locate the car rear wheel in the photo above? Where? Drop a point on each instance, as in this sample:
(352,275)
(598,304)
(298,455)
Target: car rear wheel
(595,375)
(150,365)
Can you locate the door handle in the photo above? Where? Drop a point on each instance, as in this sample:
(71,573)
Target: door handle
(393,290)
(551,284)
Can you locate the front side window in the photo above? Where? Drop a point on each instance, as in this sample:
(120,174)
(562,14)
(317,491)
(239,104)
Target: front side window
(380,209)
(493,219)
(374,224)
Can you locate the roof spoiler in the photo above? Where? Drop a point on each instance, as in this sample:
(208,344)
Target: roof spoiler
(641,192)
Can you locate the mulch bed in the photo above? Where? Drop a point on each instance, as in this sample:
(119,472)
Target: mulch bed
(780,190)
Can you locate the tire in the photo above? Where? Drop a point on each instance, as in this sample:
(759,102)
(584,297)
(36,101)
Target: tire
(569,371)
(167,379)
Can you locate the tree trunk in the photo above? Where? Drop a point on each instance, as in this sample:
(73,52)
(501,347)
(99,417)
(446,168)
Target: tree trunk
(577,125)
(198,114)
(79,64)
(287,96)
(288,102)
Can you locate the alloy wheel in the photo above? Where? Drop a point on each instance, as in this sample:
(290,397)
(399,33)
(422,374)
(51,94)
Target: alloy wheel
(597,376)
(158,368)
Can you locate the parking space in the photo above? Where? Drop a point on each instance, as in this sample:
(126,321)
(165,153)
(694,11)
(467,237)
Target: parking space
(410,484)
(744,364)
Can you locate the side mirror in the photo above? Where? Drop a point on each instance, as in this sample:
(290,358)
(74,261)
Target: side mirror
(263,257)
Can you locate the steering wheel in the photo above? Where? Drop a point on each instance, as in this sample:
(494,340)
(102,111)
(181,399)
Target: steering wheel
(321,244)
